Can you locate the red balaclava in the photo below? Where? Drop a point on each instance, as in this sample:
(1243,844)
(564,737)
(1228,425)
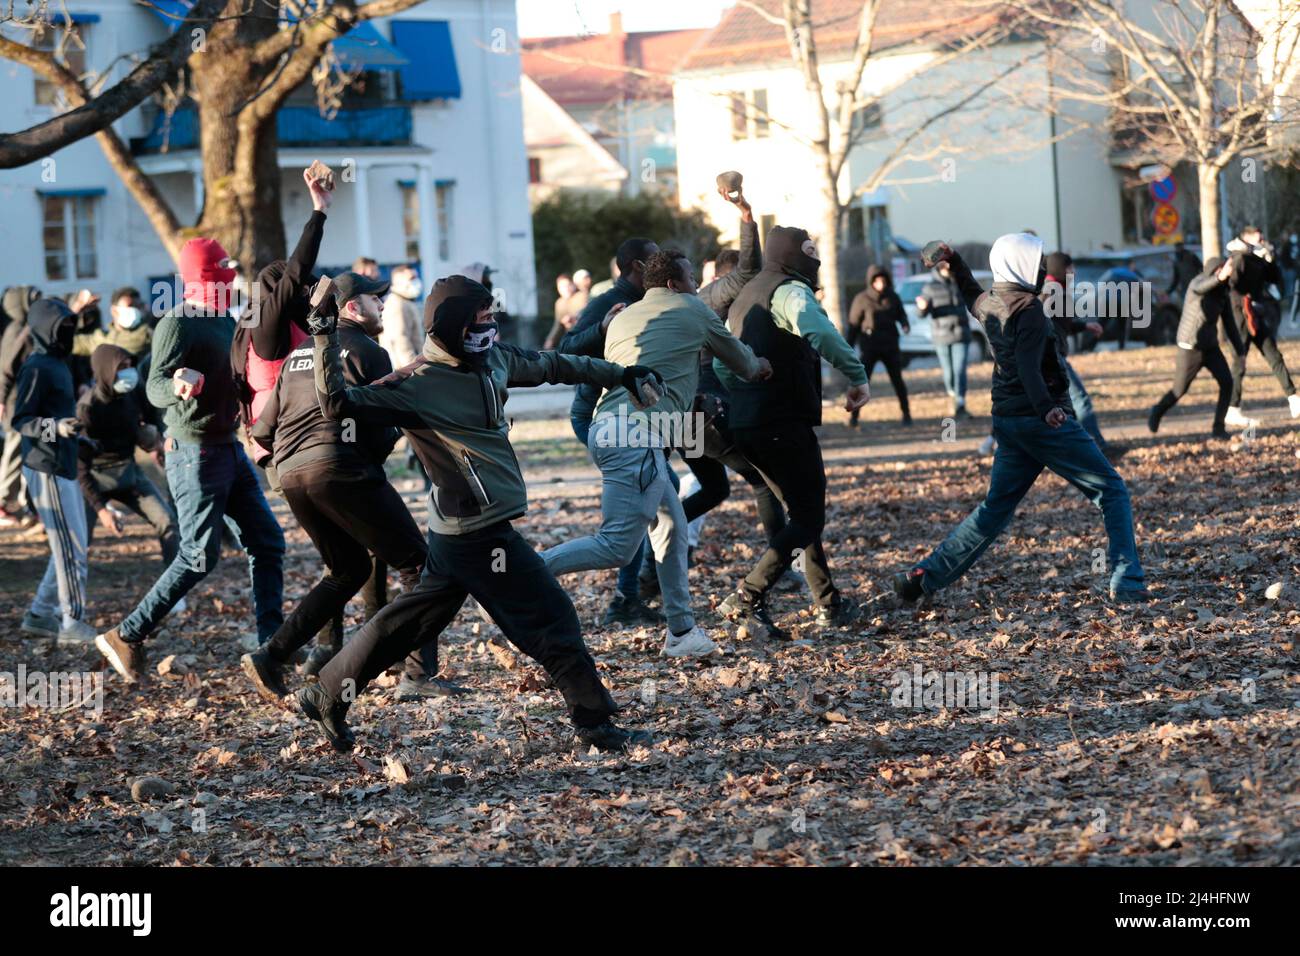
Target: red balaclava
(207,281)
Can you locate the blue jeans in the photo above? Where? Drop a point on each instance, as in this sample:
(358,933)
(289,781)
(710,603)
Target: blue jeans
(1082,403)
(208,484)
(1027,445)
(580,415)
(952,359)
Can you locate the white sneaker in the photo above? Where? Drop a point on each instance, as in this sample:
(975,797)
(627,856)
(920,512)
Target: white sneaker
(987,445)
(694,643)
(79,634)
(1294,402)
(1234,417)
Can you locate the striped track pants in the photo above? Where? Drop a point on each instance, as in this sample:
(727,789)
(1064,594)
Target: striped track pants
(62,510)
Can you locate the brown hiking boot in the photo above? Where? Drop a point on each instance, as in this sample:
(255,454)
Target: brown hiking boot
(123,656)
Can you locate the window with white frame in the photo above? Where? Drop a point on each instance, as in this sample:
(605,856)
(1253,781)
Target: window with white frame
(411,220)
(444,194)
(69,46)
(69,235)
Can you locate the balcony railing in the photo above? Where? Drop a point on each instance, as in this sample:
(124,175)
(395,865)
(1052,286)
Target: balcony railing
(295,126)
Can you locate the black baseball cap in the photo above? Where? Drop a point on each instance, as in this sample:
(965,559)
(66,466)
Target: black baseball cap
(349,285)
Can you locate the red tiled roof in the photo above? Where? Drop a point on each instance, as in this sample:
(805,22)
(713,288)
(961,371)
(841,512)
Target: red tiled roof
(592,69)
(744,38)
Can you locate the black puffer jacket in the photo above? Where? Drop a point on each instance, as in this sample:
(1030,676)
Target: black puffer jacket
(1205,305)
(1029,375)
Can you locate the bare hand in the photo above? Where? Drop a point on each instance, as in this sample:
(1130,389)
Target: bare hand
(1094,327)
(187,383)
(110,522)
(856,397)
(159,458)
(1225,271)
(609,316)
(1056,417)
(320,196)
(922,303)
(739,201)
(83,300)
(764,371)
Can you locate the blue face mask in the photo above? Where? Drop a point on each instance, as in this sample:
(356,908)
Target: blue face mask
(128,317)
(126,381)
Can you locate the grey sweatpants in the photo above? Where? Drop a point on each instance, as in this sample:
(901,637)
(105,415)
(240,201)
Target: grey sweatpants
(635,494)
(59,505)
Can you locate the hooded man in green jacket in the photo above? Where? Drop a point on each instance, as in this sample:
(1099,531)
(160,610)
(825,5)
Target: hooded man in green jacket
(451,407)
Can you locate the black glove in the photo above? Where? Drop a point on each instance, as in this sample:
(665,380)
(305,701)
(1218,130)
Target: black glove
(323,319)
(936,252)
(634,375)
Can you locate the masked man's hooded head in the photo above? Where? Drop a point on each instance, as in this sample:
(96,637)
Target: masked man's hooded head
(1017,258)
(53,326)
(452,307)
(107,362)
(792,251)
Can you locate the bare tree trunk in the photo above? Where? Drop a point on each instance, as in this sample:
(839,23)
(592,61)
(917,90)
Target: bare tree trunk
(828,247)
(1207,179)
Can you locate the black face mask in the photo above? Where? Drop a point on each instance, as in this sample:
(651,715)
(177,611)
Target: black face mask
(65,334)
(1042,277)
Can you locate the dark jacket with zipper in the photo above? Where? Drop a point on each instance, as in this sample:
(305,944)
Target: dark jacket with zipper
(1205,307)
(44,392)
(588,338)
(949,322)
(453,414)
(292,425)
(1029,376)
(115,423)
(874,317)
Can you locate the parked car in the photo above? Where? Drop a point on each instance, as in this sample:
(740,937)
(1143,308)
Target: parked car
(1154,264)
(918,342)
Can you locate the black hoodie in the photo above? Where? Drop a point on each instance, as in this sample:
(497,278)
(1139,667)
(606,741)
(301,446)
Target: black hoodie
(874,317)
(1205,305)
(794,392)
(114,421)
(44,392)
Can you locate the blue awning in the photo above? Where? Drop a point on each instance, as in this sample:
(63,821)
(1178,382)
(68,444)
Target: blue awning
(431,73)
(85,191)
(364,48)
(172,12)
(79,17)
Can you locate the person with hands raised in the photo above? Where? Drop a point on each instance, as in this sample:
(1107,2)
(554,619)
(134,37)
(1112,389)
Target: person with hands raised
(1033,422)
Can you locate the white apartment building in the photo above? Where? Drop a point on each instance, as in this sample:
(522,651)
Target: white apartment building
(435,136)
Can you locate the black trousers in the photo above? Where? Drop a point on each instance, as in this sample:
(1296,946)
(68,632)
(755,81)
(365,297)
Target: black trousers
(510,581)
(1267,346)
(349,511)
(374,595)
(128,485)
(1189,362)
(889,355)
(789,458)
(715,488)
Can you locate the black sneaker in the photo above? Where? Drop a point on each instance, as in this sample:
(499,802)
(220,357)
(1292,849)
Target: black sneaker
(907,585)
(329,714)
(1132,596)
(752,615)
(316,660)
(961,412)
(839,613)
(266,674)
(612,738)
(1153,419)
(626,612)
(1220,434)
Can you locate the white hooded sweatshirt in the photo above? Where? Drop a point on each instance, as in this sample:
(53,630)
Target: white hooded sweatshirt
(1015,257)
